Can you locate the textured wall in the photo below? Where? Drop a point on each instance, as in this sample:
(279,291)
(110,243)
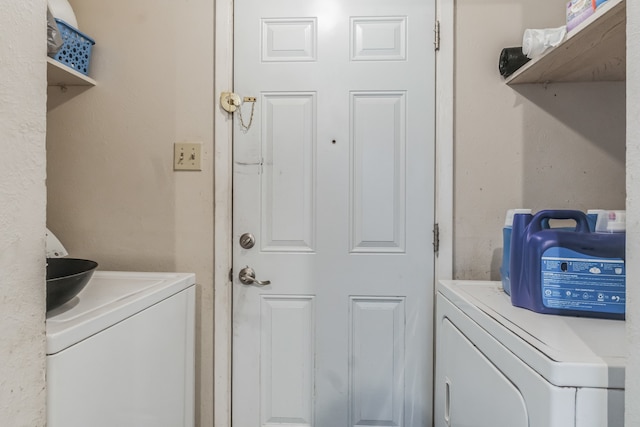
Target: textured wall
(633,215)
(22,213)
(113,195)
(533,146)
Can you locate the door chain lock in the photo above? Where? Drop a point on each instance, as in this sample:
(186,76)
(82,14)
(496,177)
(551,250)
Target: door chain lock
(229,101)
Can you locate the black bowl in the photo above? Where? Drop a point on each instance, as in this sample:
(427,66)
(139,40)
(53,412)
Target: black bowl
(66,277)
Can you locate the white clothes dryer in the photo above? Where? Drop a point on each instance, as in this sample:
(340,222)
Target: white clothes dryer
(121,353)
(502,366)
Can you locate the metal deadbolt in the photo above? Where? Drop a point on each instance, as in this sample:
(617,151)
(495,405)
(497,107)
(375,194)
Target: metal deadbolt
(247,241)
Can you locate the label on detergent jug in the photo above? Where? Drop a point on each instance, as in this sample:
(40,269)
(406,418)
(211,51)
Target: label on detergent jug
(572,282)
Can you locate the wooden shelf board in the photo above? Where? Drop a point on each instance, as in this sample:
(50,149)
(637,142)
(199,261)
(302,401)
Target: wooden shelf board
(594,51)
(59,74)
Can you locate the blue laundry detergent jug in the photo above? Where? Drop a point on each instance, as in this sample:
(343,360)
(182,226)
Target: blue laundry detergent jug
(592,217)
(506,248)
(568,272)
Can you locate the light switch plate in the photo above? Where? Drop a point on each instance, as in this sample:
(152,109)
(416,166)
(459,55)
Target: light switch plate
(187,156)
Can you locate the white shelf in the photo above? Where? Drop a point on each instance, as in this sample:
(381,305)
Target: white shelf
(594,51)
(59,74)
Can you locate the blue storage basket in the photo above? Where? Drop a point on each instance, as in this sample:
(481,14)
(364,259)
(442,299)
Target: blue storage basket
(76,48)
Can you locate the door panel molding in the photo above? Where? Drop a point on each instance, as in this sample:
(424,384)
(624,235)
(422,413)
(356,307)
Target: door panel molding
(377,339)
(278,34)
(287,326)
(289,138)
(378,173)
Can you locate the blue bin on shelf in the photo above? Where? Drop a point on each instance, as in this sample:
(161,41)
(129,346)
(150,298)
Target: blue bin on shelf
(75,52)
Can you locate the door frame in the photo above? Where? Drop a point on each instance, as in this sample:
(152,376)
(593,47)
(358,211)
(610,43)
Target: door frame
(223,169)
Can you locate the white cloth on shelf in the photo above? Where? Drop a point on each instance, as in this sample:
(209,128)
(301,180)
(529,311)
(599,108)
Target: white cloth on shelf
(536,41)
(61,9)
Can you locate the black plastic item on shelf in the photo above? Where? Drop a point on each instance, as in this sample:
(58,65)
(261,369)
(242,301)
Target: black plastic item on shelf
(511,58)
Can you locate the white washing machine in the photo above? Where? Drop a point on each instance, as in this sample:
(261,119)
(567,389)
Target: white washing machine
(504,366)
(121,353)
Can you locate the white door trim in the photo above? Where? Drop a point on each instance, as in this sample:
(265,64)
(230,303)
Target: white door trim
(223,131)
(223,81)
(444,137)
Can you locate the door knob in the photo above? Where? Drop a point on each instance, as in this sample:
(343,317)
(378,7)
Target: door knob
(248,277)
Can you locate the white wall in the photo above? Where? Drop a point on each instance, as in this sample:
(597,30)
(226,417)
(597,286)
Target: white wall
(113,195)
(633,215)
(534,146)
(22,213)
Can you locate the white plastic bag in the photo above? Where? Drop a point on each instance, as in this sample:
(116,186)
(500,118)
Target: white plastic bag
(54,38)
(536,41)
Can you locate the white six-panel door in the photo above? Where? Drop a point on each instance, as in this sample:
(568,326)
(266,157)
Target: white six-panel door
(335,179)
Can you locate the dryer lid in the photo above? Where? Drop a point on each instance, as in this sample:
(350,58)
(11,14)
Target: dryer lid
(109,298)
(567,351)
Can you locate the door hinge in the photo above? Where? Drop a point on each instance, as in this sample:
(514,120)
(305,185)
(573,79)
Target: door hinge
(436,238)
(436,33)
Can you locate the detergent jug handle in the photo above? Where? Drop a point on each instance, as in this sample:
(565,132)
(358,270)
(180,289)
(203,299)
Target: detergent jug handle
(541,218)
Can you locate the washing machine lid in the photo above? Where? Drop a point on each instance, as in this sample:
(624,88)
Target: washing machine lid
(109,298)
(567,351)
